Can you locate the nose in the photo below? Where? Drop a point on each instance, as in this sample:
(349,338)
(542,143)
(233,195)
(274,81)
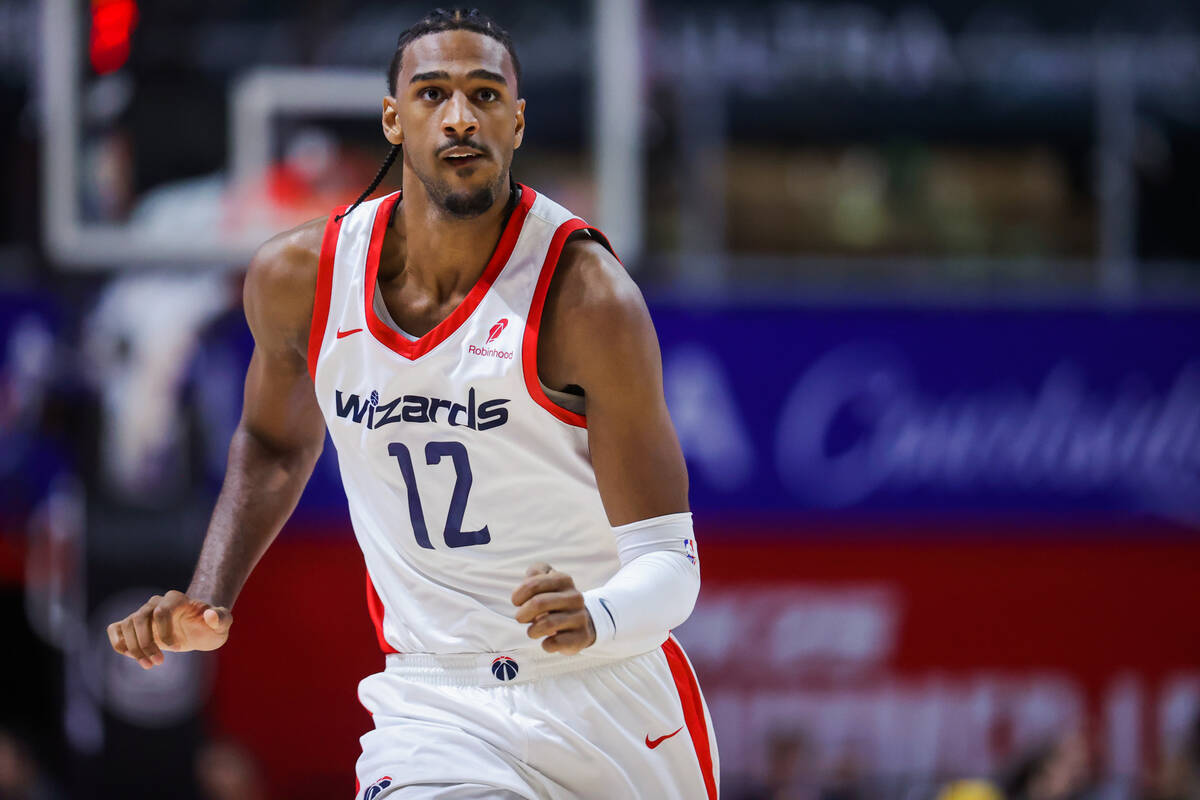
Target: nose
(459,121)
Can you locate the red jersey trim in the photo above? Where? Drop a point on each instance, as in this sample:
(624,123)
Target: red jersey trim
(320,315)
(534,321)
(375,609)
(415,349)
(693,710)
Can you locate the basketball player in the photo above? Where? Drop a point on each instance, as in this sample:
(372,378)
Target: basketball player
(491,379)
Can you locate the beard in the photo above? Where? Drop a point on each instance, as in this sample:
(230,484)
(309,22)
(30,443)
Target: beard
(464,205)
(460,203)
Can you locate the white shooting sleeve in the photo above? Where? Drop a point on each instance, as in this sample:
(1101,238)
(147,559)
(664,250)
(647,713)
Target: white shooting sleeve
(655,589)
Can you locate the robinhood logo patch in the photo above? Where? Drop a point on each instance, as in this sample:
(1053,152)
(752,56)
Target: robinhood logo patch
(496,330)
(493,335)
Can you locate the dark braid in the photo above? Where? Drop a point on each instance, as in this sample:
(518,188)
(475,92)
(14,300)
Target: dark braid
(388,160)
(436,21)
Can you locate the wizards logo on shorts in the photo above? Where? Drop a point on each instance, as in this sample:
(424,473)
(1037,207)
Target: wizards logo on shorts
(504,668)
(376,788)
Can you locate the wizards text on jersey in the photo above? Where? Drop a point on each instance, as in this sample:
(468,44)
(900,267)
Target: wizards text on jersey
(417,409)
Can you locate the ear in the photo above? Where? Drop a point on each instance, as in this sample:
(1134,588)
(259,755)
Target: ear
(391,122)
(520,124)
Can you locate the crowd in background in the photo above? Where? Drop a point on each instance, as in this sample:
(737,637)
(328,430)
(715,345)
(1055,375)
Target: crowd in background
(1060,769)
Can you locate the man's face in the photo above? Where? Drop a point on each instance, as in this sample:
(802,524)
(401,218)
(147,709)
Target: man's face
(457,114)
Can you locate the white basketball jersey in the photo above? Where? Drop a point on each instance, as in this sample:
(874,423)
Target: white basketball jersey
(459,471)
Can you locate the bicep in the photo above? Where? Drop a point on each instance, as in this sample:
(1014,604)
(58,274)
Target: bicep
(279,407)
(635,452)
(639,467)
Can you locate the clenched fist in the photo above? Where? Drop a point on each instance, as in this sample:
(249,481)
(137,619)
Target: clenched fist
(553,607)
(172,622)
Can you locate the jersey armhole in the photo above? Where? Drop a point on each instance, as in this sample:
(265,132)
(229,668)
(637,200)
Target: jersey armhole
(320,315)
(534,321)
(598,236)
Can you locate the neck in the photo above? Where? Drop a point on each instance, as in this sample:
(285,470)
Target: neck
(443,253)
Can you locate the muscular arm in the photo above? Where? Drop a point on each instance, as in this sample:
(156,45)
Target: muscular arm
(281,431)
(276,444)
(635,454)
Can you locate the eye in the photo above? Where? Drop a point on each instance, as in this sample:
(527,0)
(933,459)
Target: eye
(431,93)
(488,95)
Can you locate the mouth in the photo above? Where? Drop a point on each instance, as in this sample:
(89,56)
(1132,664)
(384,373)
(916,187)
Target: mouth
(462,156)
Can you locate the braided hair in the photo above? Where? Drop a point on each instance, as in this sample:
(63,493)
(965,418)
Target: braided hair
(436,21)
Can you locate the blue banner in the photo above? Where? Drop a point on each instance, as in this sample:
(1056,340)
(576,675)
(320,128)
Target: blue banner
(786,409)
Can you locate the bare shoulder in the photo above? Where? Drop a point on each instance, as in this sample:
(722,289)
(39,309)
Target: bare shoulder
(591,287)
(591,298)
(281,284)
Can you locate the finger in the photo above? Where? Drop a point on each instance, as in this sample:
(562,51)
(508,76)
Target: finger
(539,604)
(145,635)
(218,618)
(568,642)
(115,638)
(162,624)
(548,582)
(556,622)
(132,645)
(538,569)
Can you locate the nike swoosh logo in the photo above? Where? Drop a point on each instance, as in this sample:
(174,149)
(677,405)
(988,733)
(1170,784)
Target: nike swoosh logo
(653,743)
(608,611)
(341,334)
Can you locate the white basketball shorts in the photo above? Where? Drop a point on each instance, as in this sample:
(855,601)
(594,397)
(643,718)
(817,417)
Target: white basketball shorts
(537,726)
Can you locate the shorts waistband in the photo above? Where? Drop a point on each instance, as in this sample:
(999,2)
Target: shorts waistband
(489,669)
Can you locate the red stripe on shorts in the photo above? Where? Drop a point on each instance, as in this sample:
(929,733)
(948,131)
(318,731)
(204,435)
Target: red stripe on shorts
(693,710)
(375,609)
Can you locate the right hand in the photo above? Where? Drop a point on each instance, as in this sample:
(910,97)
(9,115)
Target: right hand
(172,622)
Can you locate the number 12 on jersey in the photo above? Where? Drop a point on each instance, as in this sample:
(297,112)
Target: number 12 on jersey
(454,535)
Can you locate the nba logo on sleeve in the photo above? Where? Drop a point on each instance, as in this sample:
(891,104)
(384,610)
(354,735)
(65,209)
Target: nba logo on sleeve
(376,788)
(504,668)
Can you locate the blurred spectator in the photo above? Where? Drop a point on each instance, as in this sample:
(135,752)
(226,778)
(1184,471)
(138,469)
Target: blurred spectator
(315,174)
(226,771)
(846,782)
(1179,777)
(1058,770)
(20,775)
(792,774)
(30,455)
(138,343)
(789,772)
(789,764)
(970,790)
